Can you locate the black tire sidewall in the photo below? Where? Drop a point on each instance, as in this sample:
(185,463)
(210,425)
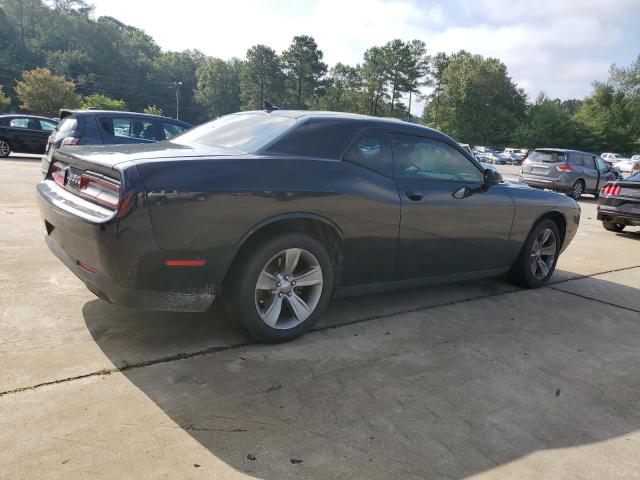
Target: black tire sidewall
(522,270)
(573,189)
(10,148)
(242,297)
(612,227)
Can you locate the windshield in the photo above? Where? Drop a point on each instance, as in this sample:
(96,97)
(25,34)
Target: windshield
(68,124)
(546,157)
(244,132)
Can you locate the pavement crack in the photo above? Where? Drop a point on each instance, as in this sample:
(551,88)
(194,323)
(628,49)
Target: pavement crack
(207,351)
(594,299)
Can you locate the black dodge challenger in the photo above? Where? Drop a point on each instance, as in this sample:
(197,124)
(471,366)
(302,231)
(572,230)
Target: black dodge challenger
(278,211)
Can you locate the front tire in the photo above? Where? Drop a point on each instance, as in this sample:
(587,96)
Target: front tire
(539,255)
(281,286)
(613,227)
(5,148)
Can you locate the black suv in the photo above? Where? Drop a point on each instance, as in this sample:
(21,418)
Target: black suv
(24,134)
(104,127)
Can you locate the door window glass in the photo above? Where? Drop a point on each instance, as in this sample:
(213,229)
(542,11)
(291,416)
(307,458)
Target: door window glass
(47,125)
(423,158)
(576,159)
(19,122)
(602,165)
(172,129)
(372,151)
(129,128)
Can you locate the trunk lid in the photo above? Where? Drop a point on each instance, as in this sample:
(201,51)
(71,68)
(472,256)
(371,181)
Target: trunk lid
(544,163)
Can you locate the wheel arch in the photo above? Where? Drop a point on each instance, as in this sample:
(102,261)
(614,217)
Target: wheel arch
(316,226)
(558,218)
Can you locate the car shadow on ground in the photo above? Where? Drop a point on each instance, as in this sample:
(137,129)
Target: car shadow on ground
(435,392)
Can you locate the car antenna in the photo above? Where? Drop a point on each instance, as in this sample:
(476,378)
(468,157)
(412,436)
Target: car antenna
(268,106)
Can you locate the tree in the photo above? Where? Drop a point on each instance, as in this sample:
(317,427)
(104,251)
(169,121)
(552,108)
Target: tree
(304,67)
(439,64)
(102,102)
(478,101)
(5,102)
(42,92)
(397,60)
(417,69)
(374,75)
(262,78)
(343,90)
(153,110)
(218,88)
(547,123)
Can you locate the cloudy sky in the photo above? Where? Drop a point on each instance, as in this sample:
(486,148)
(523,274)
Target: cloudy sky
(556,46)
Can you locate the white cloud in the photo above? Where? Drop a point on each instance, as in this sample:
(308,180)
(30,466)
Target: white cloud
(559,46)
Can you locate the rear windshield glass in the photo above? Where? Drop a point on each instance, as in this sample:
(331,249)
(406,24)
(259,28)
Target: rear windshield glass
(547,157)
(68,124)
(243,132)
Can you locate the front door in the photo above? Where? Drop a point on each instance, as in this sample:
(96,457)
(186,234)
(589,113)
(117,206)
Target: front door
(441,231)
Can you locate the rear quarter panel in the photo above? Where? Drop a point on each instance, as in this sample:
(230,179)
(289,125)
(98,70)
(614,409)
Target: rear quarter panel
(213,205)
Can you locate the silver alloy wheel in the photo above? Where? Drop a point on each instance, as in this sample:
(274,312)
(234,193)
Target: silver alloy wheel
(543,253)
(4,148)
(289,288)
(577,190)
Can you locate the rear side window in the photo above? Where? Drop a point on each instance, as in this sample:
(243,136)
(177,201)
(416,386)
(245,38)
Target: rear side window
(172,129)
(317,137)
(68,124)
(128,127)
(589,160)
(19,122)
(547,157)
(372,150)
(576,159)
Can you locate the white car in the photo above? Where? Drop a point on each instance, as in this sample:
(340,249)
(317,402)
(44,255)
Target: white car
(626,164)
(612,157)
(515,154)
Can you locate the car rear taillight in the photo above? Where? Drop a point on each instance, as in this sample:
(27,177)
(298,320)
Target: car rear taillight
(565,168)
(102,191)
(611,190)
(58,173)
(70,141)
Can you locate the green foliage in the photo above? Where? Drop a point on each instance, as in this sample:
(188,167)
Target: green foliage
(548,123)
(303,67)
(261,78)
(218,87)
(102,102)
(5,102)
(476,101)
(153,110)
(42,92)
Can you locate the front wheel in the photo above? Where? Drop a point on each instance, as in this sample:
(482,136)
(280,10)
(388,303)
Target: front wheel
(539,255)
(281,286)
(5,148)
(613,227)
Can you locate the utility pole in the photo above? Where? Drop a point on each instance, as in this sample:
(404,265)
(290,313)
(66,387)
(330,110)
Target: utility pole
(178,85)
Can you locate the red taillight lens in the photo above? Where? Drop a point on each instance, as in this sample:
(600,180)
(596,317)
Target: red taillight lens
(565,168)
(611,190)
(100,190)
(70,141)
(58,173)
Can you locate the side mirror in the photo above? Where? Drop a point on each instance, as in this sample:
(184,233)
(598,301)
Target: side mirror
(491,177)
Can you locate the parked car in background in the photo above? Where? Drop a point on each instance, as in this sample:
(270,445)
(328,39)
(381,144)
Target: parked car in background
(292,207)
(568,171)
(514,154)
(485,165)
(626,165)
(612,157)
(24,134)
(99,127)
(619,204)
(636,164)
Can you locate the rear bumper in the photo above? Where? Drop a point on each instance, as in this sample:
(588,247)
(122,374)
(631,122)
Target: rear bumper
(110,291)
(557,184)
(116,256)
(614,215)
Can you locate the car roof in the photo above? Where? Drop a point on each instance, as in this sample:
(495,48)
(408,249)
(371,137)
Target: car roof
(20,115)
(373,122)
(66,112)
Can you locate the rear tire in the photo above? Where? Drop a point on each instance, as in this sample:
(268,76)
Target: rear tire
(613,227)
(576,190)
(266,291)
(5,148)
(539,255)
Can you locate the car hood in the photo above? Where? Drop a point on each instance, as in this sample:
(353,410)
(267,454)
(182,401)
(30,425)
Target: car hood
(112,155)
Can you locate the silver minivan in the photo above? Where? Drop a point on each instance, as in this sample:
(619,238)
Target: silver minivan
(568,171)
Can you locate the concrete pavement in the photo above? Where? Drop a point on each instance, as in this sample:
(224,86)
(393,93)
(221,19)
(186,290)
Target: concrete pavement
(476,378)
